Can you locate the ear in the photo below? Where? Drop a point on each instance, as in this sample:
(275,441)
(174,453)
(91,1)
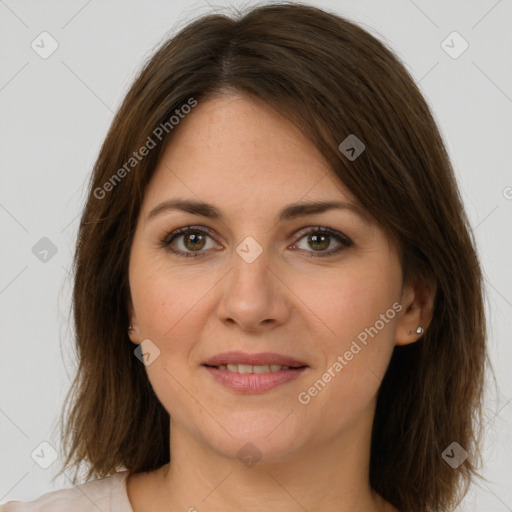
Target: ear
(133,333)
(418,301)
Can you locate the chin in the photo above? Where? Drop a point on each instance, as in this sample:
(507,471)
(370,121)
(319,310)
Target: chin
(263,437)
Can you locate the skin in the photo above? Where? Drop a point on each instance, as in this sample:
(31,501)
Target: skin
(240,155)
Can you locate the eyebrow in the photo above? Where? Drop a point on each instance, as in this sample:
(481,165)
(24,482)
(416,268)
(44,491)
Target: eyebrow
(289,212)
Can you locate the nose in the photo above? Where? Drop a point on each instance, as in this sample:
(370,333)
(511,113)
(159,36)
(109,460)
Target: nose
(254,297)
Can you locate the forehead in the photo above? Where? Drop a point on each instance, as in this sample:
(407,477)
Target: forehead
(234,150)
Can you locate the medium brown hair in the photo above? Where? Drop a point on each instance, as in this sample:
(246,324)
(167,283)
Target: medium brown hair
(331,78)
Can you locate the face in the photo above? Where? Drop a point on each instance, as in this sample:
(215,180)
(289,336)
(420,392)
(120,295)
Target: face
(321,288)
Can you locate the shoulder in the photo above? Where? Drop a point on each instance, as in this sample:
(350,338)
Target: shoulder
(106,494)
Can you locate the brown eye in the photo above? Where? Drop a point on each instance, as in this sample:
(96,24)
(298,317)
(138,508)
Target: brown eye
(187,242)
(194,241)
(319,239)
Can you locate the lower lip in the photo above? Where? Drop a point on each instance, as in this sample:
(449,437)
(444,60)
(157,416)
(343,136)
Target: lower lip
(254,382)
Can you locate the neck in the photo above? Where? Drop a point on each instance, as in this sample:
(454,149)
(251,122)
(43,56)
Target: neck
(330,476)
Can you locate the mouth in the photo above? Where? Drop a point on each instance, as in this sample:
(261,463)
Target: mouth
(254,373)
(263,362)
(247,368)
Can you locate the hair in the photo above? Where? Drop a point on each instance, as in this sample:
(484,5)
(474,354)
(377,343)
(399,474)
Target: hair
(331,78)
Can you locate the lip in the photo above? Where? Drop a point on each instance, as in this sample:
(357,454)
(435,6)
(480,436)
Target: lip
(262,358)
(254,383)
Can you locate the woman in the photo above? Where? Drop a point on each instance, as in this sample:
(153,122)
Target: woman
(275,217)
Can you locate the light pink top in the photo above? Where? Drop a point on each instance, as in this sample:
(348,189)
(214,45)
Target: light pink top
(105,494)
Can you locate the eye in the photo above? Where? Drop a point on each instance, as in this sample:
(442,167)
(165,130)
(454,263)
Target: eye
(193,240)
(319,238)
(190,241)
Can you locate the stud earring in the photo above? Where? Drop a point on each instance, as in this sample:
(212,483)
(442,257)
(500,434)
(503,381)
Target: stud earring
(419,330)
(130,328)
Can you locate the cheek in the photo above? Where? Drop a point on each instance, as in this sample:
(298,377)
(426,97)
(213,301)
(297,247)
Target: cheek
(356,360)
(343,304)
(171,312)
(356,319)
(168,313)
(161,298)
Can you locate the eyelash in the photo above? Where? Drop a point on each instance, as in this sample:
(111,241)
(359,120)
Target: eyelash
(168,239)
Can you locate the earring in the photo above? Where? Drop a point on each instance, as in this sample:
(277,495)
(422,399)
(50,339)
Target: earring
(419,330)
(130,328)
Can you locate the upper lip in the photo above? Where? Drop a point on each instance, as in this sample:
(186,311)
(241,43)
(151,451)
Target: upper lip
(262,358)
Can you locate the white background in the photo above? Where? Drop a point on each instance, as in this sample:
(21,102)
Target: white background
(55,113)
